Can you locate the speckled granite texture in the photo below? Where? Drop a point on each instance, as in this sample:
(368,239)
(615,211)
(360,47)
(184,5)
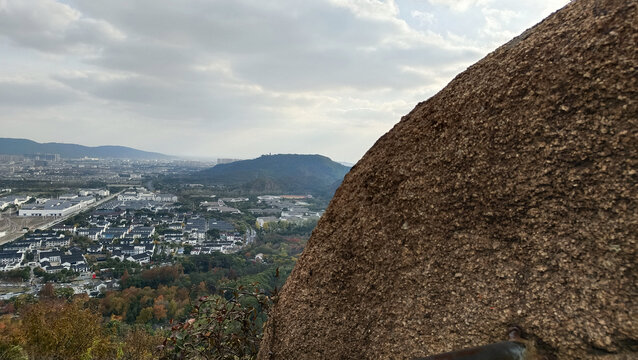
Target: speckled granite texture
(510,197)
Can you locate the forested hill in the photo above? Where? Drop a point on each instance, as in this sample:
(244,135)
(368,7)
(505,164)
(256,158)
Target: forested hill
(9,146)
(314,174)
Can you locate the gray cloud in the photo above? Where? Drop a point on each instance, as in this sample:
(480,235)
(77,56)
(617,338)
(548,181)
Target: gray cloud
(21,94)
(238,77)
(52,26)
(316,46)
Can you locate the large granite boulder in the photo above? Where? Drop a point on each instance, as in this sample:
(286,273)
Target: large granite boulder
(510,197)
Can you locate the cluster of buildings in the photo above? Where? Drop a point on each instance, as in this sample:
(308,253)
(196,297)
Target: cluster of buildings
(291,208)
(121,233)
(118,229)
(45,248)
(220,206)
(94,192)
(52,251)
(175,230)
(63,206)
(16,200)
(195,232)
(52,167)
(214,246)
(140,198)
(10,259)
(145,195)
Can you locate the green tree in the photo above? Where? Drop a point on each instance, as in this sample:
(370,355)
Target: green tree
(213,233)
(64,293)
(21,274)
(225,326)
(145,316)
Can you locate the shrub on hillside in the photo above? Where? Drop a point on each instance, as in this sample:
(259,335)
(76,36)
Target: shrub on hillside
(224,326)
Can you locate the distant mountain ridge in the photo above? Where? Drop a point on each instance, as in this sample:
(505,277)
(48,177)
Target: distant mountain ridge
(314,174)
(11,146)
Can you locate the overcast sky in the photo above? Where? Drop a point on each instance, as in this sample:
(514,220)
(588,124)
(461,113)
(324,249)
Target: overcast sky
(237,78)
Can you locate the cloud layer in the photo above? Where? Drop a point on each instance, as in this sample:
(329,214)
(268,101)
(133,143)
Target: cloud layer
(237,78)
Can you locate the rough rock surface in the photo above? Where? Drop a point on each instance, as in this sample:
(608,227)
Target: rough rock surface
(510,197)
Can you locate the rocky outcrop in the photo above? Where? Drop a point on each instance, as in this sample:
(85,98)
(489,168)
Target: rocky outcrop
(510,197)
